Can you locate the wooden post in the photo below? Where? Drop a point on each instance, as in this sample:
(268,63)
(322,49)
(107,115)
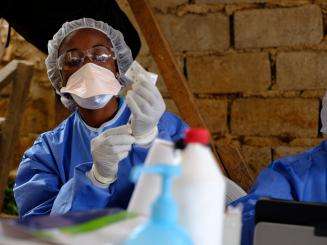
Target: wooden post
(178,88)
(19,73)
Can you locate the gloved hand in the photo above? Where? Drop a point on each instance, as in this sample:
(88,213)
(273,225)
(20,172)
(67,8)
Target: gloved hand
(108,149)
(147,107)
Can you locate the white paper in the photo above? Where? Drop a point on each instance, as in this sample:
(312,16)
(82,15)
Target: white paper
(137,73)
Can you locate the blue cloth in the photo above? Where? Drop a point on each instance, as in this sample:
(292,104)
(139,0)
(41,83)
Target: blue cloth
(52,177)
(302,177)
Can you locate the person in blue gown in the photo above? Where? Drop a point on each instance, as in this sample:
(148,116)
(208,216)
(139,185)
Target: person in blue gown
(85,162)
(302,177)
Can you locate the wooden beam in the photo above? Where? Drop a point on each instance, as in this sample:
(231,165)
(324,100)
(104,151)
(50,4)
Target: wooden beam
(21,79)
(178,88)
(7,73)
(236,165)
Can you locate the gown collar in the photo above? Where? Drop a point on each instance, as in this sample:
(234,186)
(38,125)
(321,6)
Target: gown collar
(122,108)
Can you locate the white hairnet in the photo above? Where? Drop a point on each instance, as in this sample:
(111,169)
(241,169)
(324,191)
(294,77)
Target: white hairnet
(120,48)
(323,115)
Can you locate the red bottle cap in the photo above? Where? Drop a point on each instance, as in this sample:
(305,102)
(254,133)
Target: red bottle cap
(197,135)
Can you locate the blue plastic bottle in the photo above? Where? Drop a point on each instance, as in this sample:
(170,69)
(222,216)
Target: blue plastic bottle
(162,228)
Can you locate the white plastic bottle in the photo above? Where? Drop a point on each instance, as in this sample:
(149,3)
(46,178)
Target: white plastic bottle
(200,190)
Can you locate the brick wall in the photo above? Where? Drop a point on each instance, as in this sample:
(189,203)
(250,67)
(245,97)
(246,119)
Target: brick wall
(256,67)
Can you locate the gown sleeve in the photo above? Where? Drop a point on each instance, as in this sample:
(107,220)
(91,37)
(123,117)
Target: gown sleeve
(40,187)
(272,182)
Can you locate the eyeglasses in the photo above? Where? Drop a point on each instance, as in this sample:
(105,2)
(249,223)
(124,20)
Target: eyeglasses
(74,59)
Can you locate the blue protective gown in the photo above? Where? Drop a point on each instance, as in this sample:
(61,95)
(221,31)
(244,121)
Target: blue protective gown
(51,177)
(302,177)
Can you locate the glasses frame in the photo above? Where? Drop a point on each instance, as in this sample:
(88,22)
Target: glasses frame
(87,53)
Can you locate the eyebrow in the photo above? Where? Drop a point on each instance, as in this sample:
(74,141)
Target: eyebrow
(70,50)
(97,45)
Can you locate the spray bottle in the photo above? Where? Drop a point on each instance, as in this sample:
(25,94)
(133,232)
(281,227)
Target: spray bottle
(162,227)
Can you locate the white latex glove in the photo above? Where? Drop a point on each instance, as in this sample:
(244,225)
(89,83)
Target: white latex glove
(147,107)
(108,149)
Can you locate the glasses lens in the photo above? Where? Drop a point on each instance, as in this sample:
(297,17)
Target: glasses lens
(74,59)
(101,54)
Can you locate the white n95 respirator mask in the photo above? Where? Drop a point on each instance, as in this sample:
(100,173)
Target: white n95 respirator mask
(92,86)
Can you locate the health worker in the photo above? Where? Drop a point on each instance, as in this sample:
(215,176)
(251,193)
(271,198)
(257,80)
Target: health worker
(85,162)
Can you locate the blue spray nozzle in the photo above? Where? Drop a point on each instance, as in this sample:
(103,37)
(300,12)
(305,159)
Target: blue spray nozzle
(165,170)
(164,208)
